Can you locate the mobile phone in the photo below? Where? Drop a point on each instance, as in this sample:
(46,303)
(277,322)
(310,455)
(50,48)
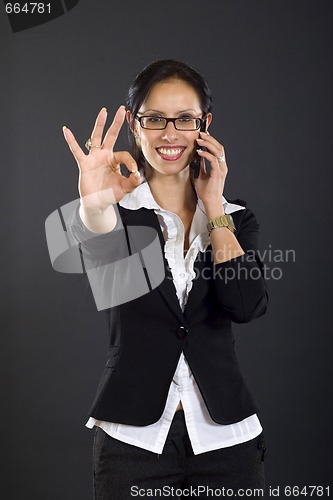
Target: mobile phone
(195,165)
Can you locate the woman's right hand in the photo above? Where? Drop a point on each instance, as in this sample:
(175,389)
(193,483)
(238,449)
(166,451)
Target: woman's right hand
(101,183)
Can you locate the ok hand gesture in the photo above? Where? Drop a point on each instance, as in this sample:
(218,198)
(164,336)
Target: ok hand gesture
(101,182)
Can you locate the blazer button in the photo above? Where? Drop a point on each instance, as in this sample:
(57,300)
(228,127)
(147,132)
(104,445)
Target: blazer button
(182,332)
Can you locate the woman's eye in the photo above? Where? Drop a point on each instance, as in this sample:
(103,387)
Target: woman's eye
(154,119)
(185,118)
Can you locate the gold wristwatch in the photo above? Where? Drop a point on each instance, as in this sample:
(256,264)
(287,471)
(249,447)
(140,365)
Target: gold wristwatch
(221,221)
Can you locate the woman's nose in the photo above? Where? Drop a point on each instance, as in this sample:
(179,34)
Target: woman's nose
(170,132)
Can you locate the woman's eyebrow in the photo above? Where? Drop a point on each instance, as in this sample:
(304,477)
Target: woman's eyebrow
(153,111)
(187,110)
(162,113)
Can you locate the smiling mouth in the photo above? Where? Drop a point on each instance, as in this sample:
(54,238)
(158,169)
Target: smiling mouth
(170,154)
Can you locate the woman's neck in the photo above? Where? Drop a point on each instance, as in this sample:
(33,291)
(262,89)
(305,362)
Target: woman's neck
(173,192)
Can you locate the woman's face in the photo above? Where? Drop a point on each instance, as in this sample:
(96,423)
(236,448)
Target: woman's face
(169,151)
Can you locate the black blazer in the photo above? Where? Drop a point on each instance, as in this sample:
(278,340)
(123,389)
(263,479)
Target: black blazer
(148,334)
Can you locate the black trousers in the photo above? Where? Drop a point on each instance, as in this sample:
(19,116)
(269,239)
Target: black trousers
(125,472)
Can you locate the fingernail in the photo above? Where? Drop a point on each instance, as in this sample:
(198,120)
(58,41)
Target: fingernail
(200,139)
(199,151)
(203,133)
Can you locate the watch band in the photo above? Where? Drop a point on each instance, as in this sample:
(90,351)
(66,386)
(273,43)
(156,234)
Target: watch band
(221,221)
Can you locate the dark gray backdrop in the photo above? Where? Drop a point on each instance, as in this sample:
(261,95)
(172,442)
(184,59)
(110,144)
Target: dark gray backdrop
(269,64)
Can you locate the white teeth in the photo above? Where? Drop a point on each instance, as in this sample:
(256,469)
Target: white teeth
(170,152)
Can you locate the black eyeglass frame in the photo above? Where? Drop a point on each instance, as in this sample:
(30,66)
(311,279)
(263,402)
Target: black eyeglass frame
(200,122)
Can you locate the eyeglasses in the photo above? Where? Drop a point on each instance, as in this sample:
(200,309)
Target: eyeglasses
(160,123)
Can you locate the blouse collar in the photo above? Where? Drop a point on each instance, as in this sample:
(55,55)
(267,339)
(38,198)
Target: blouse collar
(141,197)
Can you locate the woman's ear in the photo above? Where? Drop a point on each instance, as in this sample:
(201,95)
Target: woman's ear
(133,128)
(208,120)
(129,119)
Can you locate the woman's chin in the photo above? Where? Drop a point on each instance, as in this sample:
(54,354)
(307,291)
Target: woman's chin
(172,169)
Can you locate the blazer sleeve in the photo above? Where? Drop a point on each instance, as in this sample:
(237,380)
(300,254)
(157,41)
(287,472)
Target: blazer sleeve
(98,249)
(240,283)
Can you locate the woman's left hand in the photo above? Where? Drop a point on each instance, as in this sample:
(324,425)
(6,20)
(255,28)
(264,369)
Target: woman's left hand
(209,186)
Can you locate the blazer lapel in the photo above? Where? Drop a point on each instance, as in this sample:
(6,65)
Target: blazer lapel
(146,217)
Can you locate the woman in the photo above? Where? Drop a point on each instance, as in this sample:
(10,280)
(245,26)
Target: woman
(172,409)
